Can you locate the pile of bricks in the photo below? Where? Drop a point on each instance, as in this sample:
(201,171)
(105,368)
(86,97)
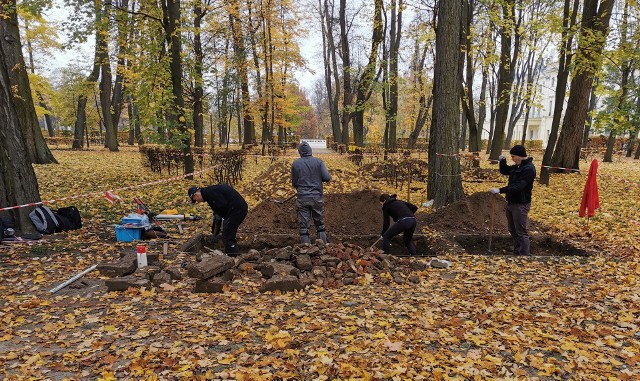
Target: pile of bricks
(285,269)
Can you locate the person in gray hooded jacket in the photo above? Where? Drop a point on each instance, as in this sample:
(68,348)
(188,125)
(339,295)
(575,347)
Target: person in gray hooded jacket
(307,175)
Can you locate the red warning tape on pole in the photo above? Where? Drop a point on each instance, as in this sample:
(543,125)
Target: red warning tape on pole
(108,191)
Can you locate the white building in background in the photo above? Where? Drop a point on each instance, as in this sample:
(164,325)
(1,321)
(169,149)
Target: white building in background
(541,116)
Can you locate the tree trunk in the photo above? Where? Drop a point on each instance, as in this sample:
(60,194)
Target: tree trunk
(134,120)
(49,120)
(423,104)
(18,183)
(595,23)
(482,112)
(366,80)
(171,23)
(347,98)
(593,101)
(467,96)
(37,150)
(492,115)
(198,90)
(625,65)
(240,61)
(444,182)
(261,101)
(111,135)
(633,138)
(330,68)
(122,19)
(505,77)
(569,18)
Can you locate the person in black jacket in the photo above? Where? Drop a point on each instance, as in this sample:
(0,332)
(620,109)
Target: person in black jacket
(518,191)
(227,204)
(402,213)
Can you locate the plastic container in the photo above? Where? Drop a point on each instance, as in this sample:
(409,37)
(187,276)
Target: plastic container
(136,219)
(142,256)
(128,234)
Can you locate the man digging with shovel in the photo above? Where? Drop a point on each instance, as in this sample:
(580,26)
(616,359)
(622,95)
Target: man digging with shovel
(228,205)
(402,213)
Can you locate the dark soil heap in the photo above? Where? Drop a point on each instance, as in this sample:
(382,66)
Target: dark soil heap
(359,213)
(472,214)
(346,214)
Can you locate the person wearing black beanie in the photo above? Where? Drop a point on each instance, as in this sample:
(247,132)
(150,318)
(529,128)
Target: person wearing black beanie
(518,195)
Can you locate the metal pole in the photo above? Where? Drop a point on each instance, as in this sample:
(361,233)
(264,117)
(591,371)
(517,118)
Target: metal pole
(75,278)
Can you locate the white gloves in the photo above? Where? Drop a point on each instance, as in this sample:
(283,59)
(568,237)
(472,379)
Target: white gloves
(494,190)
(502,157)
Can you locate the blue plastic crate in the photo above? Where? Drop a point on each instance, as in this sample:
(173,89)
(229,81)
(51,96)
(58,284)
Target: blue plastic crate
(128,234)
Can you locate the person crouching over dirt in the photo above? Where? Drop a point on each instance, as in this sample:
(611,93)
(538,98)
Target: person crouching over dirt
(227,204)
(307,175)
(518,190)
(402,213)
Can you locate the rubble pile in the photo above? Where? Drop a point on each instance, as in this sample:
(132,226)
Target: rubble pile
(284,269)
(125,273)
(293,268)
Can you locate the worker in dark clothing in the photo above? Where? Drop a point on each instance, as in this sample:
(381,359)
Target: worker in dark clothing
(227,204)
(402,213)
(307,175)
(518,191)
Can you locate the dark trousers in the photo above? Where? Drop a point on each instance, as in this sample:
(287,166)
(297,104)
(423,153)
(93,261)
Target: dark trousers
(230,228)
(309,209)
(407,226)
(518,219)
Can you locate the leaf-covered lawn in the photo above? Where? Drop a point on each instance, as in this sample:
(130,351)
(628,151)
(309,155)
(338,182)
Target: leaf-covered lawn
(485,317)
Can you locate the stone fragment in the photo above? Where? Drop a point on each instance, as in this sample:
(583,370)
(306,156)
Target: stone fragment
(268,270)
(211,267)
(414,279)
(417,265)
(251,256)
(283,254)
(123,283)
(283,283)
(440,263)
(124,266)
(160,278)
(175,272)
(211,285)
(303,262)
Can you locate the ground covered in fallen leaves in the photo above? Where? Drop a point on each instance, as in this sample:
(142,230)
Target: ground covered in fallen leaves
(487,316)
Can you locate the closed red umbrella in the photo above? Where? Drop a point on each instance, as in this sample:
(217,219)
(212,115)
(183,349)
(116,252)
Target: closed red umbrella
(590,197)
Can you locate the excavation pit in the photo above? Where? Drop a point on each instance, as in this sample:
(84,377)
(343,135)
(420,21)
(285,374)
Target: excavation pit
(503,245)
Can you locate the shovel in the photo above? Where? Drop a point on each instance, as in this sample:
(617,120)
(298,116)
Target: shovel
(374,244)
(285,200)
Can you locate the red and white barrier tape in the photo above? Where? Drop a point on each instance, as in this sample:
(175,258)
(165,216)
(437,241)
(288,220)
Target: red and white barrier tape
(108,191)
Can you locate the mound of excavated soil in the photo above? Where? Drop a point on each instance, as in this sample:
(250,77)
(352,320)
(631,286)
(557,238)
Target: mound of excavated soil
(346,214)
(472,214)
(359,213)
(356,218)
